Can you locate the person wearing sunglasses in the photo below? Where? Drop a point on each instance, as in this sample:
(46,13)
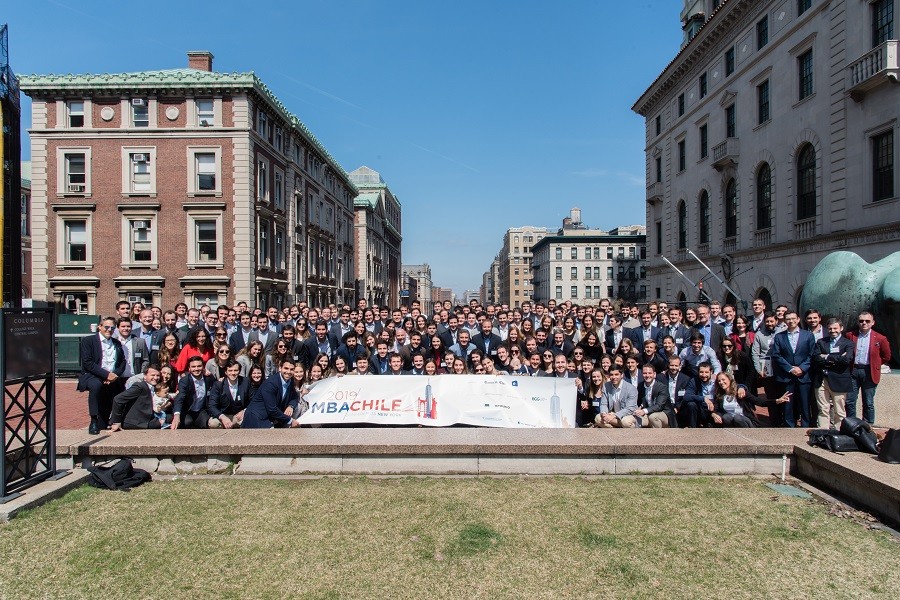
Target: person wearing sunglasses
(102,364)
(736,363)
(872,351)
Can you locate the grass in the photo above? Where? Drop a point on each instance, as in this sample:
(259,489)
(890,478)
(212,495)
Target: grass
(416,538)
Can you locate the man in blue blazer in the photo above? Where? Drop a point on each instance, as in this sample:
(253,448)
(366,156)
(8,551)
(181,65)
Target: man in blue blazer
(228,399)
(102,364)
(831,378)
(275,402)
(792,353)
(189,405)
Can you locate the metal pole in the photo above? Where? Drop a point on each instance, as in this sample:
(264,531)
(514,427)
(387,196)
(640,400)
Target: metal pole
(686,278)
(711,272)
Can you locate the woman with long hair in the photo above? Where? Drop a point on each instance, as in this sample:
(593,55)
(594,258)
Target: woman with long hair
(547,361)
(256,376)
(734,404)
(459,367)
(591,345)
(527,328)
(217,364)
(220,338)
(690,317)
(301,329)
(737,364)
(167,378)
(626,348)
(325,364)
(547,322)
(606,363)
(251,355)
(514,339)
(198,344)
(590,403)
(741,334)
(435,349)
(340,367)
(300,384)
(315,374)
(587,325)
(571,333)
(279,353)
(168,351)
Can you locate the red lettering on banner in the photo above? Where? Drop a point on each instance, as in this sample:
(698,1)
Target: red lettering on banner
(368,404)
(354,406)
(395,405)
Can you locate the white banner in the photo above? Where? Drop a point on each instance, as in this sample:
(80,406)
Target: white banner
(484,400)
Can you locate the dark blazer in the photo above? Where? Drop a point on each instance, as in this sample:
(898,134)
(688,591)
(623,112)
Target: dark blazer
(310,349)
(659,400)
(659,363)
(236,339)
(716,335)
(91,355)
(140,355)
(186,398)
(336,333)
(480,341)
(744,372)
(447,337)
(133,408)
(835,366)
(220,400)
(681,333)
(267,405)
(610,340)
(748,406)
(351,356)
(637,336)
(684,388)
(784,359)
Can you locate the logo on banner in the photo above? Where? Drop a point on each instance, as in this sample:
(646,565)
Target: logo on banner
(426,408)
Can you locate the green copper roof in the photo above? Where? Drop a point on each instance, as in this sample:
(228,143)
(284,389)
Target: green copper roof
(369,200)
(174,79)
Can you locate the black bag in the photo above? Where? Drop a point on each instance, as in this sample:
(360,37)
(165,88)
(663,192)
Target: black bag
(862,433)
(121,476)
(890,447)
(832,440)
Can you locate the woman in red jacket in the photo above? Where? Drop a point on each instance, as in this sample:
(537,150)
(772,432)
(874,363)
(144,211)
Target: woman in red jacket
(198,344)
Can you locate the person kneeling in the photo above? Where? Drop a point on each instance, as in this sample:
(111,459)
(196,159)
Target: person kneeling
(654,405)
(135,408)
(226,402)
(734,404)
(617,403)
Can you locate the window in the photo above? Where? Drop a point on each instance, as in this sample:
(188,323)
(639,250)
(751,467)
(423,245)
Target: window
(704,141)
(559,292)
(882,21)
(596,253)
(279,248)
(883,166)
(587,291)
(559,254)
(140,113)
(279,139)
(75,110)
(609,272)
(264,243)
(596,272)
(680,104)
(703,85)
(141,241)
(704,217)
(729,61)
(659,169)
(573,291)
(205,169)
(207,247)
(609,252)
(76,241)
(621,252)
(262,181)
(609,291)
(206,112)
(558,273)
(762,102)
(262,121)
(805,66)
(659,237)
(764,197)
(574,252)
(762,32)
(806,183)
(140,180)
(75,178)
(573,273)
(587,253)
(682,225)
(25,211)
(682,156)
(587,272)
(803,6)
(204,241)
(731,209)
(730,122)
(658,124)
(279,190)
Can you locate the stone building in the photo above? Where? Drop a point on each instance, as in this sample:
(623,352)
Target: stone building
(182,185)
(420,284)
(514,283)
(771,140)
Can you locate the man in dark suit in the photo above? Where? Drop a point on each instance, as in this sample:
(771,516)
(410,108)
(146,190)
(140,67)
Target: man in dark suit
(792,351)
(487,341)
(275,402)
(337,331)
(317,344)
(133,408)
(351,351)
(646,332)
(695,408)
(450,335)
(680,387)
(102,363)
(193,322)
(655,409)
(832,361)
(676,329)
(713,333)
(191,399)
(616,333)
(229,397)
(241,336)
(263,333)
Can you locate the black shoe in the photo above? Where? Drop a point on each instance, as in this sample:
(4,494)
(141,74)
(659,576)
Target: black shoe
(93,428)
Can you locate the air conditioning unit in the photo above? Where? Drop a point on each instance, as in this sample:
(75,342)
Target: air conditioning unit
(138,102)
(140,157)
(76,188)
(141,224)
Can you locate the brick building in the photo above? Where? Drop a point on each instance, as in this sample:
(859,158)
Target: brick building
(182,184)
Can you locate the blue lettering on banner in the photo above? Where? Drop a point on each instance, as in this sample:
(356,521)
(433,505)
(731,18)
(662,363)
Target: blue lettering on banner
(515,383)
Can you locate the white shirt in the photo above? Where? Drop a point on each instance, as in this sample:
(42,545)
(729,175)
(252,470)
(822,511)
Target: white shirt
(128,351)
(730,405)
(862,349)
(109,353)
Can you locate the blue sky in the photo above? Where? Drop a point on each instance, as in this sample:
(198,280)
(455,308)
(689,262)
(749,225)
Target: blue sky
(479,115)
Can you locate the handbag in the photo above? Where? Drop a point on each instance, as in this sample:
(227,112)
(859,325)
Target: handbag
(889,451)
(862,433)
(832,440)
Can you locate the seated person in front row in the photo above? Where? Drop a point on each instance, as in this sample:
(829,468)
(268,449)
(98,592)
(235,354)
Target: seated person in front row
(617,403)
(227,400)
(134,408)
(734,404)
(655,408)
(275,403)
(189,405)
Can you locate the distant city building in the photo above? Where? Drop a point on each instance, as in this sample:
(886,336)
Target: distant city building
(470,295)
(585,265)
(771,141)
(420,276)
(514,270)
(378,238)
(182,185)
(440,294)
(490,279)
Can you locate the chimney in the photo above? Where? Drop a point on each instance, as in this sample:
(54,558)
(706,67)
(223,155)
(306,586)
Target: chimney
(200,60)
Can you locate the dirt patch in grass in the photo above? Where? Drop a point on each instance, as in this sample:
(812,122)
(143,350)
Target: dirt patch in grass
(443,538)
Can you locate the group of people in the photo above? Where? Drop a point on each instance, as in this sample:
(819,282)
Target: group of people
(653,366)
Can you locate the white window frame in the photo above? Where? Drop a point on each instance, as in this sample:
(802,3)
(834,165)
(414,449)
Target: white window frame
(263,253)
(199,115)
(192,182)
(132,113)
(278,188)
(62,254)
(262,179)
(128,153)
(70,114)
(280,248)
(62,179)
(128,216)
(193,216)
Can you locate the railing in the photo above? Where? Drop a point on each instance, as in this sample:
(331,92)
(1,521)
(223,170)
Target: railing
(805,229)
(681,254)
(703,250)
(762,238)
(872,69)
(655,192)
(726,153)
(730,244)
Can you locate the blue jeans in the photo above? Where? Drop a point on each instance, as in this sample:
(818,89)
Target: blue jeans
(862,379)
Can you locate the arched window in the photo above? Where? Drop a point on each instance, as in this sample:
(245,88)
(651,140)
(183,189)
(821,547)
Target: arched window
(704,217)
(731,209)
(764,295)
(682,225)
(806,183)
(764,197)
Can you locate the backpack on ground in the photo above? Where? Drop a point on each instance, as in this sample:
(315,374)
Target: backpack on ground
(121,476)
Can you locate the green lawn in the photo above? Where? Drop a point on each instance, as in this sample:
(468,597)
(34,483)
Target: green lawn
(416,538)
